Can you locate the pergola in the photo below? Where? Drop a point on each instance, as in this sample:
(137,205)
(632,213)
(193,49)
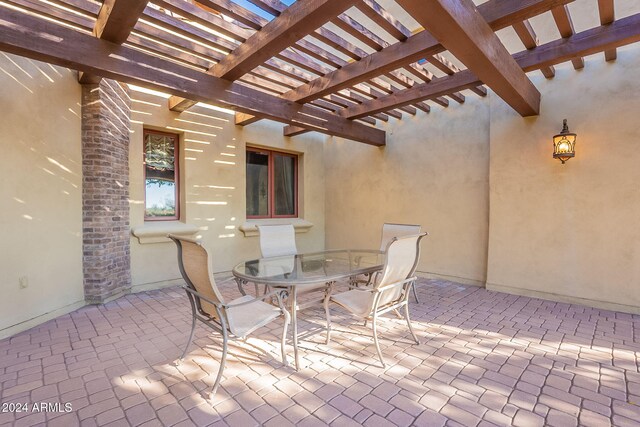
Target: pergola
(296,68)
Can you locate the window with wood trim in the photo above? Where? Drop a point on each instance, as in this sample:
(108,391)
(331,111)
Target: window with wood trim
(161,191)
(272,184)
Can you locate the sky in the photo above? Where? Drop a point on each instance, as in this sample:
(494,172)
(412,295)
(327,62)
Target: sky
(257,10)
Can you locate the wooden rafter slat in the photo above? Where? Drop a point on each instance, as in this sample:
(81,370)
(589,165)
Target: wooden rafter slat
(275,77)
(450,68)
(527,35)
(320,54)
(288,70)
(88,7)
(298,20)
(423,106)
(242,119)
(55,13)
(338,43)
(607,16)
(498,13)
(479,90)
(619,33)
(187,30)
(358,31)
(291,131)
(136,41)
(293,57)
(384,19)
(255,80)
(161,36)
(565,27)
(408,109)
(276,7)
(464,32)
(417,69)
(441,100)
(209,20)
(273,7)
(37,39)
(233,10)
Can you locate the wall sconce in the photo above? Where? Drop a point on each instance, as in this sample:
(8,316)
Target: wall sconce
(564,144)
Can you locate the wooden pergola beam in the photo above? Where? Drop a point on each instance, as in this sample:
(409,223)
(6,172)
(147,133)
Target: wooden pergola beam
(42,40)
(242,119)
(458,25)
(294,23)
(607,16)
(498,13)
(565,27)
(619,33)
(527,35)
(116,19)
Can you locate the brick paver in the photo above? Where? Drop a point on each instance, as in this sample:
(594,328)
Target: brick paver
(485,358)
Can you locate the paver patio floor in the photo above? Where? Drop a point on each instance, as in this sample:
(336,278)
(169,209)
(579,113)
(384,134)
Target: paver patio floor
(485,358)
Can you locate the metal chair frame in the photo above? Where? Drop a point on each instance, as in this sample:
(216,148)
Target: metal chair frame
(221,324)
(370,278)
(402,301)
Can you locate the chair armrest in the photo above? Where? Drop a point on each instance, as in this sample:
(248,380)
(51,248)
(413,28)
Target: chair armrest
(263,297)
(202,297)
(393,285)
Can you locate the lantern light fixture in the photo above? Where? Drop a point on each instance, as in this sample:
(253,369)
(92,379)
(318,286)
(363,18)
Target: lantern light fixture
(564,144)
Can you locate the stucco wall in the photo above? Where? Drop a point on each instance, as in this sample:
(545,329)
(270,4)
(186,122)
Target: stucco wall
(434,171)
(214,193)
(569,232)
(40,193)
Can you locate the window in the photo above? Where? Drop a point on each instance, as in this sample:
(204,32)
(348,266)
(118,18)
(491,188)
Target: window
(160,176)
(272,184)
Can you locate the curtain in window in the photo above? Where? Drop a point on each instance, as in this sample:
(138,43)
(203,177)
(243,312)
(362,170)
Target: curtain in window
(284,185)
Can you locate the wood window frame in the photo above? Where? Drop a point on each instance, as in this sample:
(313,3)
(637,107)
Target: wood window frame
(270,192)
(176,169)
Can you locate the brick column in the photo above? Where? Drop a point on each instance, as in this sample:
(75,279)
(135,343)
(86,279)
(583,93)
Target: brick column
(106,114)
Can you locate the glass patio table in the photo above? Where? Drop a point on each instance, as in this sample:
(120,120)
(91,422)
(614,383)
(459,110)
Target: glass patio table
(295,274)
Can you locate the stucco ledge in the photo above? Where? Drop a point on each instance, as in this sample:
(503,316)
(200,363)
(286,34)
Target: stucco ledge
(157,232)
(250,228)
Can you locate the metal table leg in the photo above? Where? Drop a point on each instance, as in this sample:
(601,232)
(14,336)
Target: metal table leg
(241,283)
(293,296)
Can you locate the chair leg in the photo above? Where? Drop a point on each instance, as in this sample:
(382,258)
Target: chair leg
(327,310)
(397,313)
(193,328)
(375,340)
(406,315)
(283,343)
(223,360)
(415,293)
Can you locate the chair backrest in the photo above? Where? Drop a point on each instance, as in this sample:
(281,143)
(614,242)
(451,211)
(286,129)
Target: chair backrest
(389,231)
(403,254)
(194,263)
(277,240)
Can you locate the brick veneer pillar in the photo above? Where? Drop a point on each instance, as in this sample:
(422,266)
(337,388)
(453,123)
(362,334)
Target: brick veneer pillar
(106,115)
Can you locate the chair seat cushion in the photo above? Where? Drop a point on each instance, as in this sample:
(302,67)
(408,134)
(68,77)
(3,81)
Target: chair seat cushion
(357,302)
(247,318)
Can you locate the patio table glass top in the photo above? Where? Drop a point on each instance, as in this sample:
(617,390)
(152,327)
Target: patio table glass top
(310,268)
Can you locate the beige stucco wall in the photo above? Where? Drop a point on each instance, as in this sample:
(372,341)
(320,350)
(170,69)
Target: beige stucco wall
(214,193)
(434,171)
(569,232)
(40,193)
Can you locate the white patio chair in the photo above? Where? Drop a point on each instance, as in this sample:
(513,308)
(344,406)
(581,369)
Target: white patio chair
(238,318)
(389,231)
(277,240)
(280,241)
(389,291)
